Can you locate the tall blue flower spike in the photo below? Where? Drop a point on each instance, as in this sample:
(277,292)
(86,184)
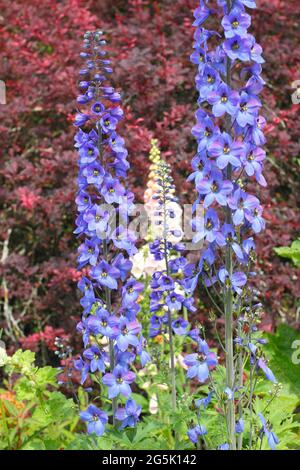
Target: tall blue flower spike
(229,134)
(110,330)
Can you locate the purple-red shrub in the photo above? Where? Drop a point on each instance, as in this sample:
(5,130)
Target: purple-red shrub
(151,42)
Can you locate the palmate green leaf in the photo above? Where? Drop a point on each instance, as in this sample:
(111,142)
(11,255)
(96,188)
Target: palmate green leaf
(46,376)
(291,252)
(57,410)
(34,444)
(283,357)
(25,389)
(144,431)
(280,414)
(81,442)
(33,385)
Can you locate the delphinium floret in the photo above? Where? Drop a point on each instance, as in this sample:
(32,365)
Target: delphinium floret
(109,299)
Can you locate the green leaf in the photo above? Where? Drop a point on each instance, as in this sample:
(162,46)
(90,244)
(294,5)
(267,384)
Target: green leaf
(282,351)
(34,444)
(291,252)
(22,362)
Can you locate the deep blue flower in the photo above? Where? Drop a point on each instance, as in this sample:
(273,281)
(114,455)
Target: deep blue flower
(88,252)
(215,189)
(93,173)
(112,190)
(95,420)
(88,153)
(239,426)
(236,23)
(238,47)
(174,301)
(224,446)
(128,334)
(96,358)
(180,326)
(223,100)
(129,415)
(83,367)
(97,220)
(248,109)
(204,402)
(273,440)
(234,281)
(207,81)
(266,370)
(80,119)
(242,204)
(196,432)
(255,218)
(102,323)
(118,382)
(226,151)
(131,292)
(200,363)
(108,123)
(106,275)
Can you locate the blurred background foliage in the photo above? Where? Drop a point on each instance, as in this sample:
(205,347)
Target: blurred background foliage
(150,42)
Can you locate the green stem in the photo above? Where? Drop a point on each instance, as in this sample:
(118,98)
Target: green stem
(170,331)
(230,372)
(240,405)
(107,291)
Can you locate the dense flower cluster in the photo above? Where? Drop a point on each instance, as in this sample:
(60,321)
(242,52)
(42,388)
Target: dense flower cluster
(167,292)
(144,263)
(111,332)
(229,133)
(168,297)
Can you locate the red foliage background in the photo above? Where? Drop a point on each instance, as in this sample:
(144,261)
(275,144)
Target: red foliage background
(150,42)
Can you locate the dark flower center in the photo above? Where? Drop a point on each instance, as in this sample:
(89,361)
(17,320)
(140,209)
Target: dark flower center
(235,45)
(214,187)
(224,99)
(235,23)
(205,266)
(241,203)
(209,225)
(226,149)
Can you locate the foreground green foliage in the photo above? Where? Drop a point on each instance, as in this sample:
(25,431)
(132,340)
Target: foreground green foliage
(36,416)
(290,252)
